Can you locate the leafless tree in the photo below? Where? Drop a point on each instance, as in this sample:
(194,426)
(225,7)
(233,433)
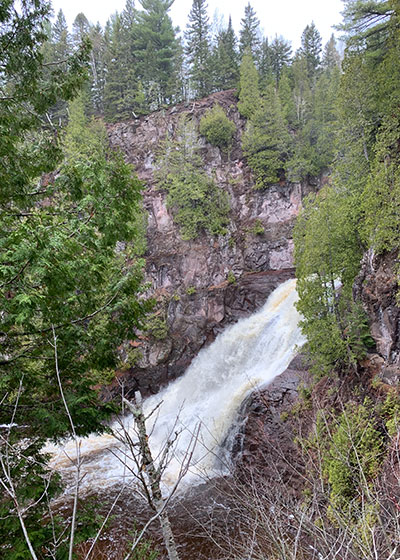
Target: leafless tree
(148,471)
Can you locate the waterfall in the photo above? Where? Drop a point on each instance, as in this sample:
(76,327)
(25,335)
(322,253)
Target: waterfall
(246,356)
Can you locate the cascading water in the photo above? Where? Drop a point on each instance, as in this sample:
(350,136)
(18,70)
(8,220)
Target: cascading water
(244,357)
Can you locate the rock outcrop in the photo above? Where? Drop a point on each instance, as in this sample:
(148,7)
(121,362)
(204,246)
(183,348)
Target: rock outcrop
(265,448)
(205,284)
(377,288)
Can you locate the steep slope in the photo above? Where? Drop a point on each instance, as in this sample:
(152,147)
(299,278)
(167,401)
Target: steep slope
(204,284)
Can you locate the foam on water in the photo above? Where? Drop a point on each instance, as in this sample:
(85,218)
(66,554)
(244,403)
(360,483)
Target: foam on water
(245,356)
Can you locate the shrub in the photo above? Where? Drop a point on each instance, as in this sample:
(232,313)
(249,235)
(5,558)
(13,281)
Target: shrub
(157,327)
(258,228)
(217,128)
(355,455)
(198,203)
(231,278)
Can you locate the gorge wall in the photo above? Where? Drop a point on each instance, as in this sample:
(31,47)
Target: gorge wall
(207,283)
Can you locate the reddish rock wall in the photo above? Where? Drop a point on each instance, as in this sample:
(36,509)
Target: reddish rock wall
(190,278)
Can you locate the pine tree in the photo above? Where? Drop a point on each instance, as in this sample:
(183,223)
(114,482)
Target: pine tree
(250,33)
(280,56)
(249,94)
(285,92)
(123,92)
(265,64)
(368,25)
(129,14)
(311,46)
(197,202)
(266,142)
(56,51)
(80,29)
(303,161)
(60,39)
(155,48)
(331,57)
(198,49)
(226,69)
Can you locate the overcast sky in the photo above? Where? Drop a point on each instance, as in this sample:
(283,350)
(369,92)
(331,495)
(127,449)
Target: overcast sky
(281,17)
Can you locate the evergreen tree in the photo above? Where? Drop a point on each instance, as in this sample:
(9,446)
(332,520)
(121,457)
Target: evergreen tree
(123,92)
(98,70)
(360,209)
(155,48)
(56,50)
(327,251)
(265,64)
(129,14)
(280,56)
(331,57)
(60,40)
(368,24)
(250,33)
(266,141)
(197,202)
(226,67)
(249,94)
(62,284)
(311,46)
(286,97)
(302,90)
(80,29)
(198,49)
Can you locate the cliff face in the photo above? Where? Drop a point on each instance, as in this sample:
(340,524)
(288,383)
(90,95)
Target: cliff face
(205,284)
(377,288)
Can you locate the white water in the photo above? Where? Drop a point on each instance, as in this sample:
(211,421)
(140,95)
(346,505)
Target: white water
(245,356)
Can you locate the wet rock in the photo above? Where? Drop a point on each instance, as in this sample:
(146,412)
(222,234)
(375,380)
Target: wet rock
(212,281)
(376,287)
(266,447)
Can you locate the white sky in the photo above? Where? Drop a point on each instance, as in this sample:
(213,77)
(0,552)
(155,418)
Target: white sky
(284,17)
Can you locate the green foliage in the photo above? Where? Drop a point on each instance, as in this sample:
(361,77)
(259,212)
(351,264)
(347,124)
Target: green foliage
(381,197)
(157,326)
(280,52)
(390,410)
(225,59)
(250,32)
(123,90)
(266,141)
(191,290)
(311,46)
(155,47)
(198,203)
(249,95)
(217,128)
(198,48)
(64,286)
(327,253)
(257,228)
(231,278)
(360,210)
(144,550)
(355,454)
(368,23)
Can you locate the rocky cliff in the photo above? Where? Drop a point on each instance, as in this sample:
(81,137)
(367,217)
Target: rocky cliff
(205,284)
